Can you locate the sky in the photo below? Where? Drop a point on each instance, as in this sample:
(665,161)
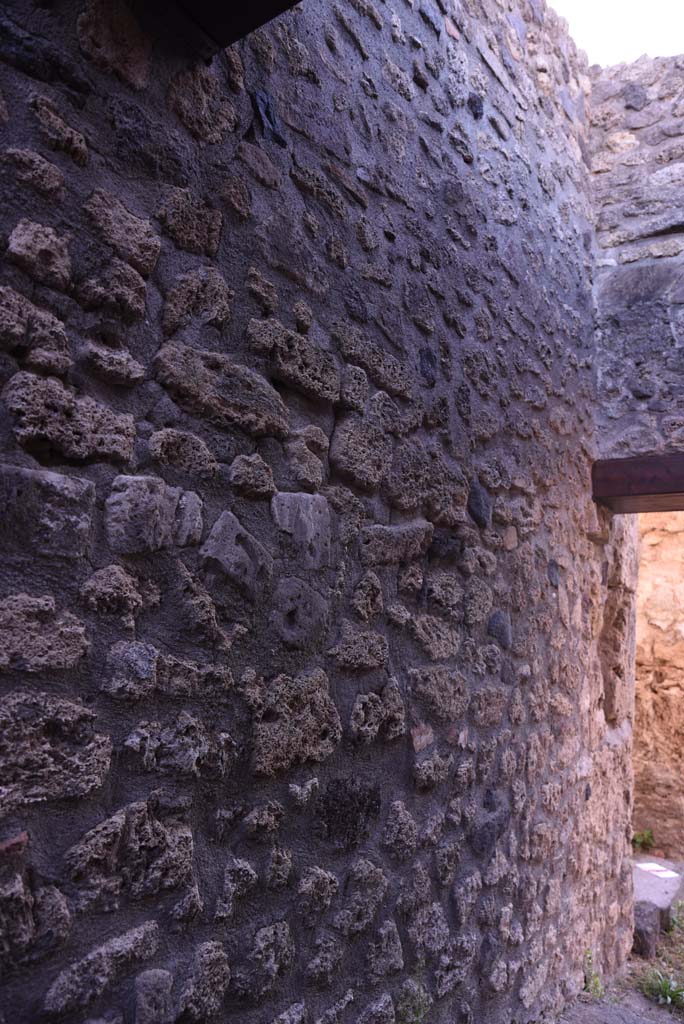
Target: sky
(613,31)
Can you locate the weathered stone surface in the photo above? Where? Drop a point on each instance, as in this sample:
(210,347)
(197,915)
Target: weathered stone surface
(113,591)
(34,637)
(199,99)
(132,853)
(119,291)
(153,999)
(204,990)
(295,359)
(111,38)
(293,721)
(234,553)
(32,334)
(201,295)
(129,236)
(182,747)
(360,450)
(46,511)
(389,545)
(209,384)
(34,921)
(299,613)
(48,416)
(86,979)
(192,224)
(142,513)
(307,520)
(360,649)
(34,170)
(386,371)
(57,132)
(41,252)
(114,365)
(183,451)
(49,750)
(252,477)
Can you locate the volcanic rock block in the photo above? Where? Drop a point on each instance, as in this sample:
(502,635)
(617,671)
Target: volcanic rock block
(233,552)
(184,746)
(142,513)
(360,450)
(203,992)
(48,415)
(183,451)
(113,591)
(130,237)
(34,170)
(252,477)
(390,545)
(32,334)
(153,1000)
(86,979)
(192,224)
(33,921)
(346,810)
(441,691)
(386,371)
(360,649)
(271,956)
(48,750)
(209,384)
(131,670)
(306,518)
(201,295)
(367,598)
(293,721)
(49,513)
(40,251)
(110,36)
(364,891)
(119,290)
(385,954)
(57,133)
(299,613)
(295,359)
(133,852)
(34,638)
(199,99)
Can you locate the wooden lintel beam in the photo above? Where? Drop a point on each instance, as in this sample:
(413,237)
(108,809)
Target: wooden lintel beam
(644,483)
(226,22)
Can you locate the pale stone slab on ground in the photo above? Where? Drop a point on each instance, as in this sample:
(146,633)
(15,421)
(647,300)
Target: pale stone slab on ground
(660,882)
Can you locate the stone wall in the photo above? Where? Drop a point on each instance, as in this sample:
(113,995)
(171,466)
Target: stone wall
(316,697)
(638,144)
(659,723)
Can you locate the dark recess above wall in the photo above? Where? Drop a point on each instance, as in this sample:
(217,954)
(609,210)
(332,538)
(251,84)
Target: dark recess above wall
(225,23)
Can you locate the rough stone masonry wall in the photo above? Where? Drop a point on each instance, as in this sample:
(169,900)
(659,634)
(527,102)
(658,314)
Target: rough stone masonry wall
(315,705)
(659,722)
(637,115)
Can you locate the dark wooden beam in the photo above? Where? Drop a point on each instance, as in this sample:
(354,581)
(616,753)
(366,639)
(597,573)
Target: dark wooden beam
(227,21)
(645,483)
